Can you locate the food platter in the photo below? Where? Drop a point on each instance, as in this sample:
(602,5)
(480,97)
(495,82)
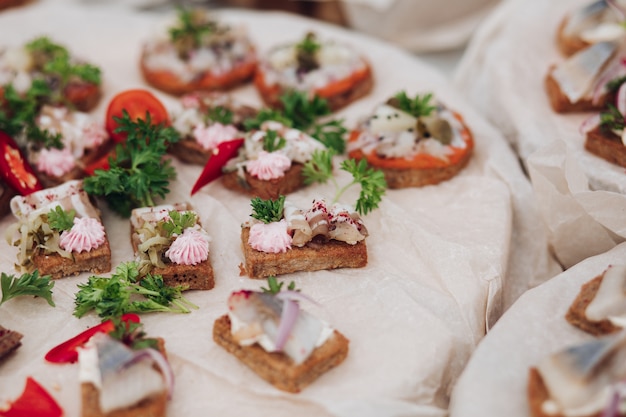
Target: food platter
(439,273)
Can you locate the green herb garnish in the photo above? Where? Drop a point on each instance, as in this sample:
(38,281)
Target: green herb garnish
(372,181)
(272,141)
(125,293)
(27,284)
(306,52)
(612,119)
(137,173)
(265,115)
(178,222)
(417,107)
(268,210)
(60,219)
(614,85)
(220,114)
(132,335)
(192,30)
(274,287)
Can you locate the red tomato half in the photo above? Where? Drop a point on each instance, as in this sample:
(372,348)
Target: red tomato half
(14,168)
(136,103)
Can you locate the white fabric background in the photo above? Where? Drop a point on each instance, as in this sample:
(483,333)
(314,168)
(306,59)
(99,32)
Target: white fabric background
(444,261)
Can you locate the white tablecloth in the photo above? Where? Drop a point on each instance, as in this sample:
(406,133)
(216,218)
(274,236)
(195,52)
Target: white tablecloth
(444,261)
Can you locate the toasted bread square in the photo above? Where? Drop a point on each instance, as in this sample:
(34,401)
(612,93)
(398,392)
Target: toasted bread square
(606,145)
(96,261)
(266,189)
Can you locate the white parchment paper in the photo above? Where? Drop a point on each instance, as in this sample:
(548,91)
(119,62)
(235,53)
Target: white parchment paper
(494,381)
(502,74)
(444,261)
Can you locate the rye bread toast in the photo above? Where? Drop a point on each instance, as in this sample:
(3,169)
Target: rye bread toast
(266,189)
(560,103)
(9,341)
(96,261)
(606,145)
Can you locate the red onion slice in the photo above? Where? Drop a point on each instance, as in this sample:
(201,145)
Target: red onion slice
(288,319)
(612,409)
(616,70)
(621,99)
(160,361)
(589,124)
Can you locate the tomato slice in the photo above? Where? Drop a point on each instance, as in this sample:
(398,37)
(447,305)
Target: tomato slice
(67,352)
(136,103)
(213,168)
(14,169)
(35,401)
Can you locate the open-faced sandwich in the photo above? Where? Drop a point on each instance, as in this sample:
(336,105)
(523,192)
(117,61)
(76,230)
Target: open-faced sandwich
(205,121)
(598,21)
(59,232)
(9,341)
(413,142)
(280,342)
(585,380)
(587,80)
(68,81)
(124,374)
(198,53)
(169,241)
(327,69)
(600,307)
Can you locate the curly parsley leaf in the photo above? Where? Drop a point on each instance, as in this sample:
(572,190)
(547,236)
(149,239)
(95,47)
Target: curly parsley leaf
(132,334)
(60,219)
(417,106)
(220,114)
(193,27)
(179,221)
(265,115)
(612,119)
(274,287)
(614,85)
(302,111)
(272,141)
(138,173)
(26,284)
(319,168)
(331,134)
(306,53)
(125,293)
(268,210)
(372,182)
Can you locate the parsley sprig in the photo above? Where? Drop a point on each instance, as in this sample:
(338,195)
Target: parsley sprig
(274,287)
(138,172)
(306,53)
(303,113)
(192,29)
(60,219)
(125,293)
(26,284)
(272,141)
(372,181)
(417,106)
(612,119)
(220,114)
(268,211)
(178,222)
(132,334)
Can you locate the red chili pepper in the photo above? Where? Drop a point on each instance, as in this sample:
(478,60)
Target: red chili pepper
(67,351)
(35,401)
(213,168)
(14,169)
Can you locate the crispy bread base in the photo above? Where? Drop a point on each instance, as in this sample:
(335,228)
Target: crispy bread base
(607,146)
(576,313)
(9,341)
(335,102)
(568,45)
(6,194)
(170,83)
(277,368)
(561,104)
(96,261)
(266,189)
(311,257)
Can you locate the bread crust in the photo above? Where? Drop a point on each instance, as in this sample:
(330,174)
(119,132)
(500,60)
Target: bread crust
(9,341)
(311,257)
(561,104)
(96,261)
(606,145)
(277,368)
(569,45)
(6,194)
(361,88)
(576,313)
(266,189)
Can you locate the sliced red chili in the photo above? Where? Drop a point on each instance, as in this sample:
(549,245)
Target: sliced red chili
(35,401)
(213,168)
(67,352)
(14,169)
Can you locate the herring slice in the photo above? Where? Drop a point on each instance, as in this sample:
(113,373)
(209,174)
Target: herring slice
(576,75)
(390,119)
(584,17)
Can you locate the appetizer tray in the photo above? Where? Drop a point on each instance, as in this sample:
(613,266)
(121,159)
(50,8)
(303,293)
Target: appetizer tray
(444,261)
(495,380)
(503,74)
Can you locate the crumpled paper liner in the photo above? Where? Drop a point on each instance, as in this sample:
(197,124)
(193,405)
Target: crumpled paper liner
(443,260)
(495,380)
(580,195)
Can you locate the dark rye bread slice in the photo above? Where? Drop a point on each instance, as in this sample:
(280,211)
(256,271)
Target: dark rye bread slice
(96,261)
(561,104)
(6,194)
(276,367)
(311,257)
(606,145)
(153,406)
(576,313)
(9,341)
(266,189)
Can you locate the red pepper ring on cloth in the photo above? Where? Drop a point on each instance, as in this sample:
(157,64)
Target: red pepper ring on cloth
(67,352)
(35,401)
(14,168)
(213,168)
